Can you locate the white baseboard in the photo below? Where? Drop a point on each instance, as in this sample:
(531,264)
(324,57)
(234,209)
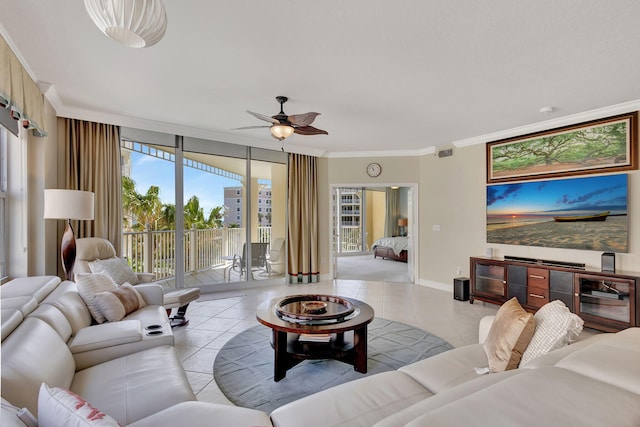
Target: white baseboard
(448,287)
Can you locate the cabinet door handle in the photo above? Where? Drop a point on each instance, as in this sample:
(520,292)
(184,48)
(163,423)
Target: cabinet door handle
(534,276)
(536,296)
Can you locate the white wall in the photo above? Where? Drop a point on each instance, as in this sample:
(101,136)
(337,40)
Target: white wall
(452,197)
(451,194)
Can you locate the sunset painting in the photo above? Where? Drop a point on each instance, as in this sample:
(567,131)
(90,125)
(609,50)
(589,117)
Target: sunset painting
(577,213)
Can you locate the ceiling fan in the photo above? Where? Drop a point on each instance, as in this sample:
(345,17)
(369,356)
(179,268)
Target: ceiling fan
(283,126)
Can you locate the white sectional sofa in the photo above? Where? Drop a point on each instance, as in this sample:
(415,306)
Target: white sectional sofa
(594,382)
(118,367)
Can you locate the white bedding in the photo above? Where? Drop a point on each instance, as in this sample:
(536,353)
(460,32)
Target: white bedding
(398,244)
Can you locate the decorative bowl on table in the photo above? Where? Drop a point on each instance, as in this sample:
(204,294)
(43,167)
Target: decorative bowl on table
(314,306)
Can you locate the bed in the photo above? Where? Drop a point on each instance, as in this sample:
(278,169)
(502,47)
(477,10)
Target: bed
(394,248)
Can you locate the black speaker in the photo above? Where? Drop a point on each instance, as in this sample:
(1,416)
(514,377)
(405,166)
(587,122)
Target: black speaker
(609,262)
(461,288)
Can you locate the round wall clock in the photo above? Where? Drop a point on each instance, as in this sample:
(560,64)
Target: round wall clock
(374,169)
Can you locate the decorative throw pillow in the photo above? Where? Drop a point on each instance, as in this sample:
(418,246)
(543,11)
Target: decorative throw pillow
(117,303)
(60,407)
(509,336)
(89,285)
(556,327)
(117,268)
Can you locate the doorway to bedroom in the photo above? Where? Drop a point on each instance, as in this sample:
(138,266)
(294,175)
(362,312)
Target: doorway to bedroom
(373,233)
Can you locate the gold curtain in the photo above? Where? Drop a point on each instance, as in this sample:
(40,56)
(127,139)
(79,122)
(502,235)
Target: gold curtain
(92,153)
(19,92)
(303,219)
(393,213)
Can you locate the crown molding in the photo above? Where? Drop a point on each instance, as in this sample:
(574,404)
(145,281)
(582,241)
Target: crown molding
(571,119)
(16,52)
(386,153)
(170,128)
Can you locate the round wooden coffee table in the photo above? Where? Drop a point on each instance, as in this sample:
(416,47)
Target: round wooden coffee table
(304,329)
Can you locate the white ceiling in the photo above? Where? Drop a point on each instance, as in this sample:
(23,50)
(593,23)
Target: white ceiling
(389,77)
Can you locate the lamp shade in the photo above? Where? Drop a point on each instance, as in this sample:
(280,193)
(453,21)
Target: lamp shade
(68,204)
(402,222)
(281,131)
(134,23)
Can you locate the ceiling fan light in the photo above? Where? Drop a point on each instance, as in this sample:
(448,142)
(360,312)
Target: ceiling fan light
(281,131)
(133,23)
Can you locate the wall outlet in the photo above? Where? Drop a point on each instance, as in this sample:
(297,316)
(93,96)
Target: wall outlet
(435,227)
(458,271)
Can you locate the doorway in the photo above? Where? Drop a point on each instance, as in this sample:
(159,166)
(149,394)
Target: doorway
(373,232)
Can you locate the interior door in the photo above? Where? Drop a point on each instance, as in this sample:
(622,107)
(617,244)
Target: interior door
(410,233)
(335,236)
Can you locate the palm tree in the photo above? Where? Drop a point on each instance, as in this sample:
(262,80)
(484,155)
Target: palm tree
(193,214)
(215,217)
(143,209)
(168,216)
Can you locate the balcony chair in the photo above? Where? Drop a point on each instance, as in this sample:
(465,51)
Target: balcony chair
(90,249)
(258,258)
(275,257)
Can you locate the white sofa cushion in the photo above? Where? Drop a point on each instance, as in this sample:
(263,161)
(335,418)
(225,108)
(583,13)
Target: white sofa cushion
(356,403)
(449,368)
(117,268)
(66,298)
(613,359)
(11,318)
(59,407)
(34,353)
(204,414)
(25,304)
(556,327)
(55,318)
(117,303)
(445,397)
(89,285)
(106,335)
(540,397)
(135,386)
(35,286)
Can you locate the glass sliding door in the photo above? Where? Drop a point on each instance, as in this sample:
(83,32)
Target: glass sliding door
(234,199)
(148,203)
(214,222)
(268,214)
(191,205)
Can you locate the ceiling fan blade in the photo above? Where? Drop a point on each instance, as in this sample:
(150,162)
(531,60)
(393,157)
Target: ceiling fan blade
(309,130)
(303,119)
(263,117)
(251,127)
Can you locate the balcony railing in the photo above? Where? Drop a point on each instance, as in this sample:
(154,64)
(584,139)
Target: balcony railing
(154,251)
(350,239)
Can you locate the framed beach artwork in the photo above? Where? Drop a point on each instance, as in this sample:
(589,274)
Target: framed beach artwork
(588,213)
(605,145)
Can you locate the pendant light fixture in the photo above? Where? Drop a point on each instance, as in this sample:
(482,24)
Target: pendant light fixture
(134,23)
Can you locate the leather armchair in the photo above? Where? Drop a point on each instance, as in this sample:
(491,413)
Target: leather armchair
(90,249)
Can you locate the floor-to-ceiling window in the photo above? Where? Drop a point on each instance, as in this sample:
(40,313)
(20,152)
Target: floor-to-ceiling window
(229,194)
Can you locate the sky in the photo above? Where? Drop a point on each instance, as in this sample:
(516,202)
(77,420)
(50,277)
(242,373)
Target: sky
(600,193)
(147,171)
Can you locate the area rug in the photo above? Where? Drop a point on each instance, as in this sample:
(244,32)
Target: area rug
(243,368)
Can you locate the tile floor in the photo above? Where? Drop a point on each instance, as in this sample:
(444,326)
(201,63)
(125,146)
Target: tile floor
(215,318)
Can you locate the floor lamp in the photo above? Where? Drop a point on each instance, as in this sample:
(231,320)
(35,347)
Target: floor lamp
(68,205)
